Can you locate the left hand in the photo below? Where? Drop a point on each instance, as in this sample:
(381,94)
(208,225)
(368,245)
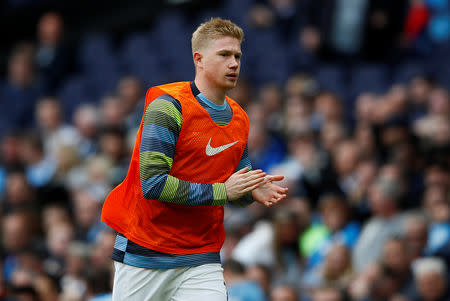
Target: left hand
(269,193)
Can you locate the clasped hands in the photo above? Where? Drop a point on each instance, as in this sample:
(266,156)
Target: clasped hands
(260,184)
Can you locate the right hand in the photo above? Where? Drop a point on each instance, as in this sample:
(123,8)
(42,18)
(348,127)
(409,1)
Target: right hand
(242,182)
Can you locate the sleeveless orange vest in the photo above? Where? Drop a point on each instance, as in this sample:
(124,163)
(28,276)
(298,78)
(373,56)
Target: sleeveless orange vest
(173,228)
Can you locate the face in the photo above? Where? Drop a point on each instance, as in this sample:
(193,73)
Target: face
(219,63)
(283,293)
(49,114)
(327,295)
(393,256)
(431,285)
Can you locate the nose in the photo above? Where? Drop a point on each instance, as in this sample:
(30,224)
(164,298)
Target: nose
(234,64)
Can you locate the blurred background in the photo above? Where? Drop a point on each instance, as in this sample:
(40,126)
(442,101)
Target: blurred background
(349,99)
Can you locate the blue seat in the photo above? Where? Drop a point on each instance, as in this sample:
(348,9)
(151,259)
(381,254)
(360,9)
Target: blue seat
(369,78)
(103,83)
(74,92)
(404,72)
(237,10)
(264,57)
(139,56)
(96,54)
(333,78)
(173,35)
(300,60)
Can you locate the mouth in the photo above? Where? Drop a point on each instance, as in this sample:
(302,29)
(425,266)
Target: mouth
(232,76)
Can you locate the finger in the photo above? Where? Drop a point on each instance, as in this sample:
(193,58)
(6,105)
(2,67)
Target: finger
(250,188)
(281,197)
(275,177)
(279,189)
(252,177)
(258,182)
(254,172)
(282,190)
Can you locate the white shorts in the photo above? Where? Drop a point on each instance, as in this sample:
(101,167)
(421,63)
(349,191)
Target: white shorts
(204,282)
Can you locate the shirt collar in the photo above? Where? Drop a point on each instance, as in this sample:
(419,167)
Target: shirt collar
(194,89)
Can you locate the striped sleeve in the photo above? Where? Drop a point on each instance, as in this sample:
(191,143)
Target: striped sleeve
(161,128)
(245,162)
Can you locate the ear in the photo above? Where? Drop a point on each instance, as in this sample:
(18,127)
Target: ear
(198,60)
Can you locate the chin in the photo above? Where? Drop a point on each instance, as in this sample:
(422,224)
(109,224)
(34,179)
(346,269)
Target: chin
(230,84)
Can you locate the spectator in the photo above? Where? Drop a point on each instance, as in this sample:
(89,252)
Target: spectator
(265,150)
(50,120)
(328,294)
(416,236)
(262,275)
(87,213)
(102,249)
(86,122)
(99,285)
(437,207)
(112,145)
(19,194)
(53,56)
(328,108)
(238,286)
(21,91)
(430,275)
(386,221)
(284,293)
(40,168)
(286,232)
(112,113)
(10,152)
(334,229)
(129,91)
(270,98)
(395,263)
(336,270)
(346,158)
(17,236)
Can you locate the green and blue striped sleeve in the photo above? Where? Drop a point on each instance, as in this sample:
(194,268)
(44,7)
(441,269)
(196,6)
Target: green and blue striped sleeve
(161,128)
(244,162)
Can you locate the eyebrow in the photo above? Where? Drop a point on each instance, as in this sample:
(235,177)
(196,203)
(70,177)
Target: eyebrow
(229,51)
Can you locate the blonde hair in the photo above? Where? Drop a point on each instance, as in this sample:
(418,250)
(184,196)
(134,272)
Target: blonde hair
(213,29)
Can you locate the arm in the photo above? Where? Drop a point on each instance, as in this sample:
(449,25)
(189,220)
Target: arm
(246,199)
(161,128)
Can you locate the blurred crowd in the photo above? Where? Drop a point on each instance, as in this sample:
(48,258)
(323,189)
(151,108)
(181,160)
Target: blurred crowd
(348,99)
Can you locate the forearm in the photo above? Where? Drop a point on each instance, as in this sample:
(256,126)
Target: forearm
(157,184)
(247,199)
(166,188)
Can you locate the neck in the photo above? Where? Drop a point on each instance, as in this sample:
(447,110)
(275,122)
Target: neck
(214,94)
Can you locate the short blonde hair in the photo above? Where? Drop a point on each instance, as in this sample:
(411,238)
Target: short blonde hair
(213,29)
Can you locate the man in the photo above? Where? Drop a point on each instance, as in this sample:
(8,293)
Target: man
(190,159)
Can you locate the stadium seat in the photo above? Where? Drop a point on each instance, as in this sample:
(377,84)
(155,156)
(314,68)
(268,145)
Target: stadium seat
(404,72)
(332,78)
(74,92)
(369,78)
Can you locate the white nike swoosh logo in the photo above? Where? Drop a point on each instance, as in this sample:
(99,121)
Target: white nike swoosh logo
(211,151)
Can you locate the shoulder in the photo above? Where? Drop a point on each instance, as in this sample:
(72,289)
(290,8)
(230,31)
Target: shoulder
(164,110)
(164,102)
(168,100)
